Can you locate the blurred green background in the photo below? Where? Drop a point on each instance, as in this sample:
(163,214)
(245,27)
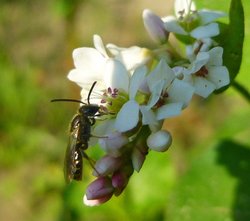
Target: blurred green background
(204,176)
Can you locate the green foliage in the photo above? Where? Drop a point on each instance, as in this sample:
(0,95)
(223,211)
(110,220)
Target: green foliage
(232,38)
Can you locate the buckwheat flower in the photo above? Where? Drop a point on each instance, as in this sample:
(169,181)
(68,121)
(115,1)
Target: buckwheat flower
(206,73)
(169,95)
(198,24)
(155,26)
(87,71)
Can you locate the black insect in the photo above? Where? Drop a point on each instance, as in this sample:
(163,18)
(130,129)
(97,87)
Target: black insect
(80,133)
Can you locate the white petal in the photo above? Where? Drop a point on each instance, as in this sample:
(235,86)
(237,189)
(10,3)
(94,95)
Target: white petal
(116,75)
(131,57)
(180,91)
(208,16)
(136,80)
(87,58)
(128,116)
(148,116)
(219,76)
(183,5)
(201,59)
(159,141)
(104,128)
(160,73)
(98,43)
(203,87)
(169,110)
(84,78)
(215,56)
(172,25)
(206,31)
(156,93)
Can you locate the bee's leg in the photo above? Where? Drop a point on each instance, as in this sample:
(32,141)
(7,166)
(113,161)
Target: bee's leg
(91,161)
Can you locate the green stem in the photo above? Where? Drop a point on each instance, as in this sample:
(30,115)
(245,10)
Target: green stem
(242,90)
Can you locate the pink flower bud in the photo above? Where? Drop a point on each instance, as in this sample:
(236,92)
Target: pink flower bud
(100,189)
(113,143)
(155,26)
(159,141)
(120,179)
(107,165)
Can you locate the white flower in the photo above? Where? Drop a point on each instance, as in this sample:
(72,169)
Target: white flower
(198,24)
(168,94)
(98,64)
(206,72)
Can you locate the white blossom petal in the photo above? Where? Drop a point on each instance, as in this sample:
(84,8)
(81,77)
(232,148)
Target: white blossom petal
(180,91)
(148,116)
(219,76)
(116,75)
(98,43)
(201,59)
(206,31)
(215,56)
(128,116)
(203,87)
(171,24)
(155,94)
(87,58)
(131,57)
(160,73)
(208,16)
(136,80)
(169,110)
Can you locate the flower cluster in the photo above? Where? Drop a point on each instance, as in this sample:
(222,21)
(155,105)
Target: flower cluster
(137,88)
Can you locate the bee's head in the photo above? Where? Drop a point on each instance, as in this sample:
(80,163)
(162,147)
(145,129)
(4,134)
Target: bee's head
(89,109)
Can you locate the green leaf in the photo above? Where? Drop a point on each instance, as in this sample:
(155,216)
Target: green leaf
(233,38)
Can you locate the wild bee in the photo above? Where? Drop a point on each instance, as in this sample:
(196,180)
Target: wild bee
(80,133)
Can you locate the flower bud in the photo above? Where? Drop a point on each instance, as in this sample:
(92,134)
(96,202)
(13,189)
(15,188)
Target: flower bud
(100,189)
(107,165)
(120,179)
(113,143)
(155,26)
(159,141)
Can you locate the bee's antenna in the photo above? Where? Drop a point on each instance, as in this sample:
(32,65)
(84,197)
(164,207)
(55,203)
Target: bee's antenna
(67,100)
(90,91)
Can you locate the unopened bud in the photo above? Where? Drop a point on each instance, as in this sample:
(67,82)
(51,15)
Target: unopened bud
(107,165)
(120,179)
(155,26)
(100,189)
(159,141)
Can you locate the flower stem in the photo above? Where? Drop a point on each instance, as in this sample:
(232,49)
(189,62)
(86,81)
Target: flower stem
(242,90)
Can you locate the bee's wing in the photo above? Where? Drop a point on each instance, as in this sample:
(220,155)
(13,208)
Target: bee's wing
(73,158)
